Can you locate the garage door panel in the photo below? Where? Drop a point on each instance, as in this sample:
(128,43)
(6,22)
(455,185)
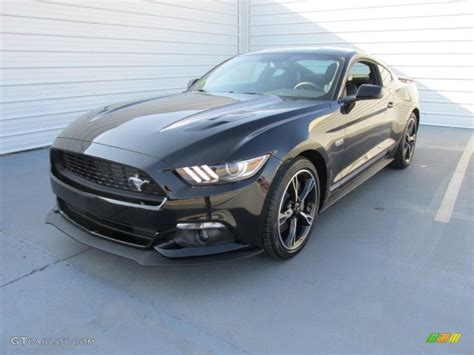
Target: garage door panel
(28,140)
(60,58)
(45,91)
(312,11)
(87,101)
(441,119)
(150,8)
(435,72)
(428,41)
(398,48)
(45,26)
(432,59)
(39,43)
(446,107)
(446,84)
(25,59)
(324,37)
(23,76)
(457,97)
(90,14)
(359,9)
(366,25)
(228,7)
(37,123)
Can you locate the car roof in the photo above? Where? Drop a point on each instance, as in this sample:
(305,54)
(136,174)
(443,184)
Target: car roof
(339,52)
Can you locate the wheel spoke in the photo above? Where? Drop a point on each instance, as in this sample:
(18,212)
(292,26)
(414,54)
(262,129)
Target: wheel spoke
(410,140)
(295,185)
(408,152)
(292,233)
(412,149)
(283,216)
(306,218)
(308,186)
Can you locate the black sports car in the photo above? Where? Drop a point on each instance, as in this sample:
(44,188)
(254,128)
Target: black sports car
(241,162)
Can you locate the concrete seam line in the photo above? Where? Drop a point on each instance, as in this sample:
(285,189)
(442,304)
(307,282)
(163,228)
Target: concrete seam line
(34,271)
(447,204)
(44,267)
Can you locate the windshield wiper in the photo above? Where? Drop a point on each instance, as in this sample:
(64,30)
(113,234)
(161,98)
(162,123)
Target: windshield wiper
(242,93)
(294,98)
(249,93)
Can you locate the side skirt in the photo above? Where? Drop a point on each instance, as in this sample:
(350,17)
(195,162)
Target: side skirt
(355,182)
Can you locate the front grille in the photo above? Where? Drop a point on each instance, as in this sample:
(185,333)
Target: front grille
(104,172)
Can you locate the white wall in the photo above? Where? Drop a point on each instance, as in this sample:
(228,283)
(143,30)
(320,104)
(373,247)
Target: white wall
(62,58)
(428,40)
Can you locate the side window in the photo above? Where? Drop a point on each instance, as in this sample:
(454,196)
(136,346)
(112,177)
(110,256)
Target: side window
(363,73)
(385,76)
(360,71)
(359,74)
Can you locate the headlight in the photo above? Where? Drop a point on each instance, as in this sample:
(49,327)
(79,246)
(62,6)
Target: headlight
(220,174)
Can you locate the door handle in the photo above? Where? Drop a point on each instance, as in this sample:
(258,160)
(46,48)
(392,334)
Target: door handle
(390,104)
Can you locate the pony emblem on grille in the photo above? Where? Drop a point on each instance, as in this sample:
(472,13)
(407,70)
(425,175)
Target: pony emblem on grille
(137,182)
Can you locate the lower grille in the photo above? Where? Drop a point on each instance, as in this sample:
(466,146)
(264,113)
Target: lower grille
(103,228)
(87,169)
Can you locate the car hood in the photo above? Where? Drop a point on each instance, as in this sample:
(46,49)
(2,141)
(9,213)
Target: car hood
(194,126)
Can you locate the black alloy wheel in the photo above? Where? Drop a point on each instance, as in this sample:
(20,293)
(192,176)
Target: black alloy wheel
(293,207)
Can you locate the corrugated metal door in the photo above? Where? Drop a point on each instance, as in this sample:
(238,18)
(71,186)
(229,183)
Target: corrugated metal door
(62,58)
(430,41)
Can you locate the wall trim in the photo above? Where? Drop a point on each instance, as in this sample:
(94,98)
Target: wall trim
(244,25)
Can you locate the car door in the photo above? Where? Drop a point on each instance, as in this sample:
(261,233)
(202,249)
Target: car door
(368,122)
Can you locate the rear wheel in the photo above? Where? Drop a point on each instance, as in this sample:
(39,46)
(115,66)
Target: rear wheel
(406,148)
(292,208)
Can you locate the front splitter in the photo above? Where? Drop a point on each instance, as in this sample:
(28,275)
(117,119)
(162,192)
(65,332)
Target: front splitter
(149,257)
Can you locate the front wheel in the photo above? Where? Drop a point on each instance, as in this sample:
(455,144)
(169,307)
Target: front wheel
(406,148)
(292,208)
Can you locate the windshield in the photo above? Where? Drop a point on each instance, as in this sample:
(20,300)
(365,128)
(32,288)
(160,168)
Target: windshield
(293,75)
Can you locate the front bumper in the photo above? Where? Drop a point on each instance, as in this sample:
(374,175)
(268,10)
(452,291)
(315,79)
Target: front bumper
(239,208)
(148,257)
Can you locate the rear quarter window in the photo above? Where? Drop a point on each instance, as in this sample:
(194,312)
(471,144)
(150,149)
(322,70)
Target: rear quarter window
(385,76)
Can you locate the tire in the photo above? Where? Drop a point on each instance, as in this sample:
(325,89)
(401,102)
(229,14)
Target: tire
(298,212)
(406,148)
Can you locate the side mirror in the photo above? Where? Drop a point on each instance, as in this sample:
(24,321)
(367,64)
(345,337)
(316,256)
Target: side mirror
(192,82)
(369,92)
(365,92)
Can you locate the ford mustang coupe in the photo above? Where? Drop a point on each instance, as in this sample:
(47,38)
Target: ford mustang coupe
(240,163)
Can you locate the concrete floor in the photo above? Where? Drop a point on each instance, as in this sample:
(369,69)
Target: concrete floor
(378,275)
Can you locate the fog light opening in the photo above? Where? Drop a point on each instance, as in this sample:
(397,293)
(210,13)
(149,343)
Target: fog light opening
(202,234)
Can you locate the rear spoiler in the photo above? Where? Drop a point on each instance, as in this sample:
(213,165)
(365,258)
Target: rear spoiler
(405,79)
